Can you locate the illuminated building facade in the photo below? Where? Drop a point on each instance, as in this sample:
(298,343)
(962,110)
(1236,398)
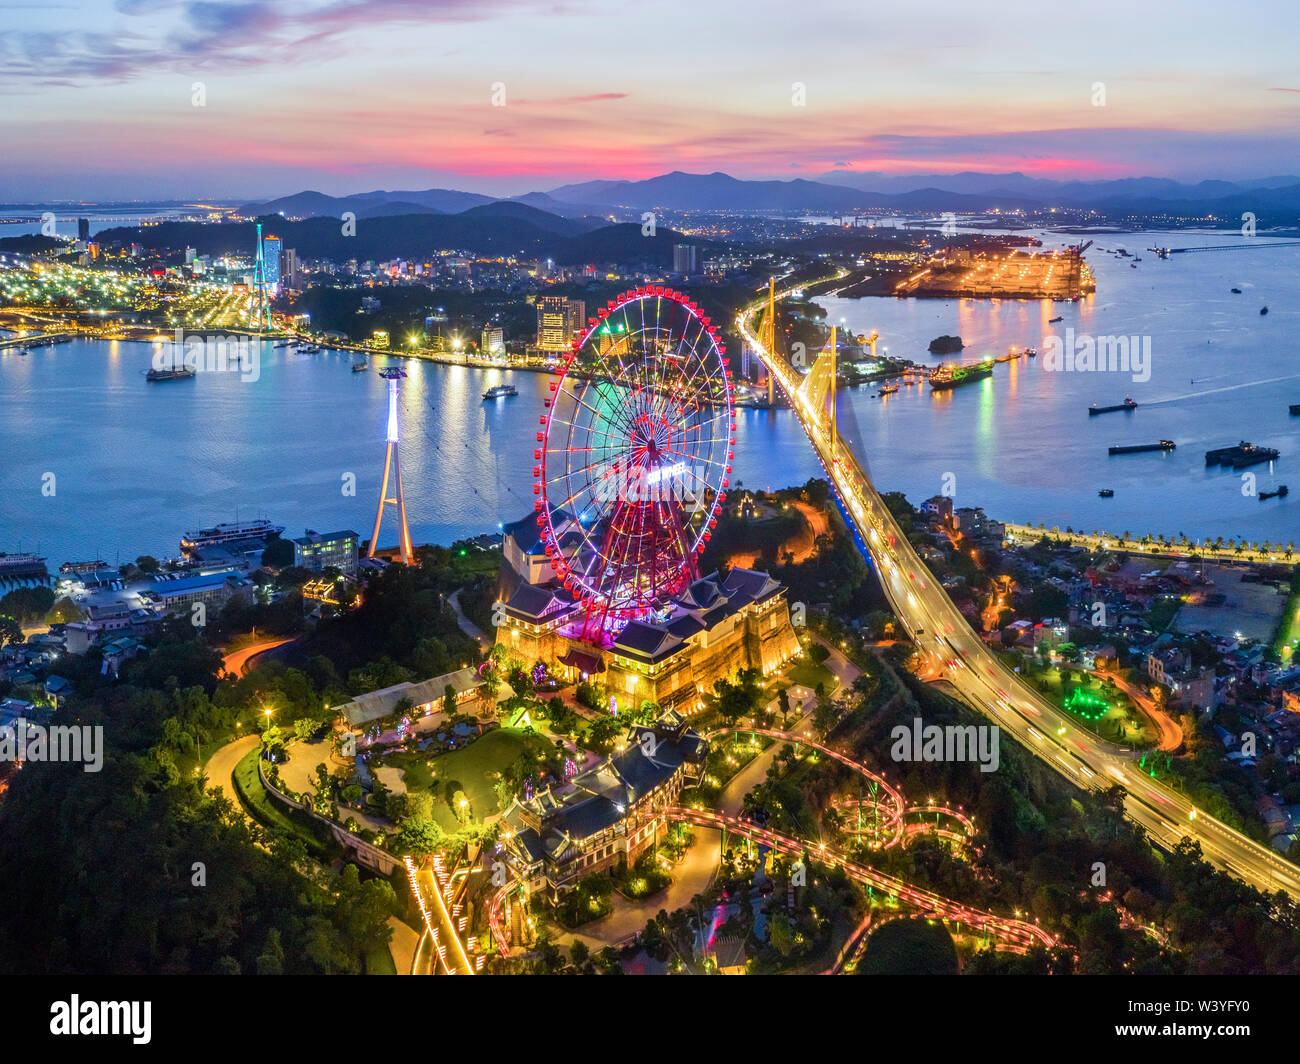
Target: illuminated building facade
(558,319)
(606,816)
(716,627)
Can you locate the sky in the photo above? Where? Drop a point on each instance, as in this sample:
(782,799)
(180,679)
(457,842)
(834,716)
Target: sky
(121,99)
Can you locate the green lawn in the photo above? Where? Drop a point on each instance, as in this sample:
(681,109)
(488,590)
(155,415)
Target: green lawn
(474,767)
(808,674)
(1139,732)
(1288,632)
(379,961)
(269,813)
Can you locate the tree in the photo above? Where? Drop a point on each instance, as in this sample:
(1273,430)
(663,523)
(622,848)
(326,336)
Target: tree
(419,836)
(818,653)
(449,700)
(740,699)
(278,553)
(10,631)
(147,563)
(271,960)
(65,611)
(27,604)
(910,947)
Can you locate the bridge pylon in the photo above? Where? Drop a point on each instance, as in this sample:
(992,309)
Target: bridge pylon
(819,388)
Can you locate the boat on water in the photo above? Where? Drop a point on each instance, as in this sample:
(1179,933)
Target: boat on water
(1031,352)
(1281,493)
(1127,404)
(308,349)
(951,376)
(1142,448)
(176,373)
(15,567)
(1263,310)
(360,367)
(500,391)
(229,532)
(889,389)
(1236,291)
(1295,408)
(82,567)
(1107,493)
(1239,457)
(1053,321)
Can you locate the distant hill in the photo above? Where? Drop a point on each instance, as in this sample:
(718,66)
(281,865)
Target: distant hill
(314,204)
(497,228)
(544,220)
(716,191)
(846,190)
(407,235)
(624,243)
(1153,193)
(565,208)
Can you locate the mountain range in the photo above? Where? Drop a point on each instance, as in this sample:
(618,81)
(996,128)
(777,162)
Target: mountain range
(1275,200)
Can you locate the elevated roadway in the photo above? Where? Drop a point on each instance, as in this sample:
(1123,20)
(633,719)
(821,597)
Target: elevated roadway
(979,675)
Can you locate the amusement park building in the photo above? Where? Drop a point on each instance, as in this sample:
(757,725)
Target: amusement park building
(716,627)
(607,815)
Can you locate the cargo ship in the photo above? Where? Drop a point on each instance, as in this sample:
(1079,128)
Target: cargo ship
(229,532)
(954,376)
(1239,457)
(1142,448)
(1127,404)
(501,391)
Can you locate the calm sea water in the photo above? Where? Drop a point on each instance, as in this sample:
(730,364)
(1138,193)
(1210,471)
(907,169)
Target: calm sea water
(137,464)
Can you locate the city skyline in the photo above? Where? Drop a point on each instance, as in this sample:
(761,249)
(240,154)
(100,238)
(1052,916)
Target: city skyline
(110,106)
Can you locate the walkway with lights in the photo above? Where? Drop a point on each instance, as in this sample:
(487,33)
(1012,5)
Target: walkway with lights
(1016,933)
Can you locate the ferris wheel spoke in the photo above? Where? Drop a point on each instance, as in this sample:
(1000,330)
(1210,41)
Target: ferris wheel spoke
(657,398)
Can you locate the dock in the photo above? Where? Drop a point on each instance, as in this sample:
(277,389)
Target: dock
(27,343)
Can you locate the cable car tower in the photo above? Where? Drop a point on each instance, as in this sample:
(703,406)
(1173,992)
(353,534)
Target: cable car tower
(393,467)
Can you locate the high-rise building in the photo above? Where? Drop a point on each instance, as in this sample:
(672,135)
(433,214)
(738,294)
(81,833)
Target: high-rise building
(493,342)
(558,319)
(271,246)
(289,269)
(684,258)
(83,229)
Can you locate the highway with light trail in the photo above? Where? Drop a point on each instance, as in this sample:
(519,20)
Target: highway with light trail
(985,683)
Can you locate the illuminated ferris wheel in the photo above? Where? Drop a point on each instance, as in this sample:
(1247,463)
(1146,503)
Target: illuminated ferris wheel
(634,456)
